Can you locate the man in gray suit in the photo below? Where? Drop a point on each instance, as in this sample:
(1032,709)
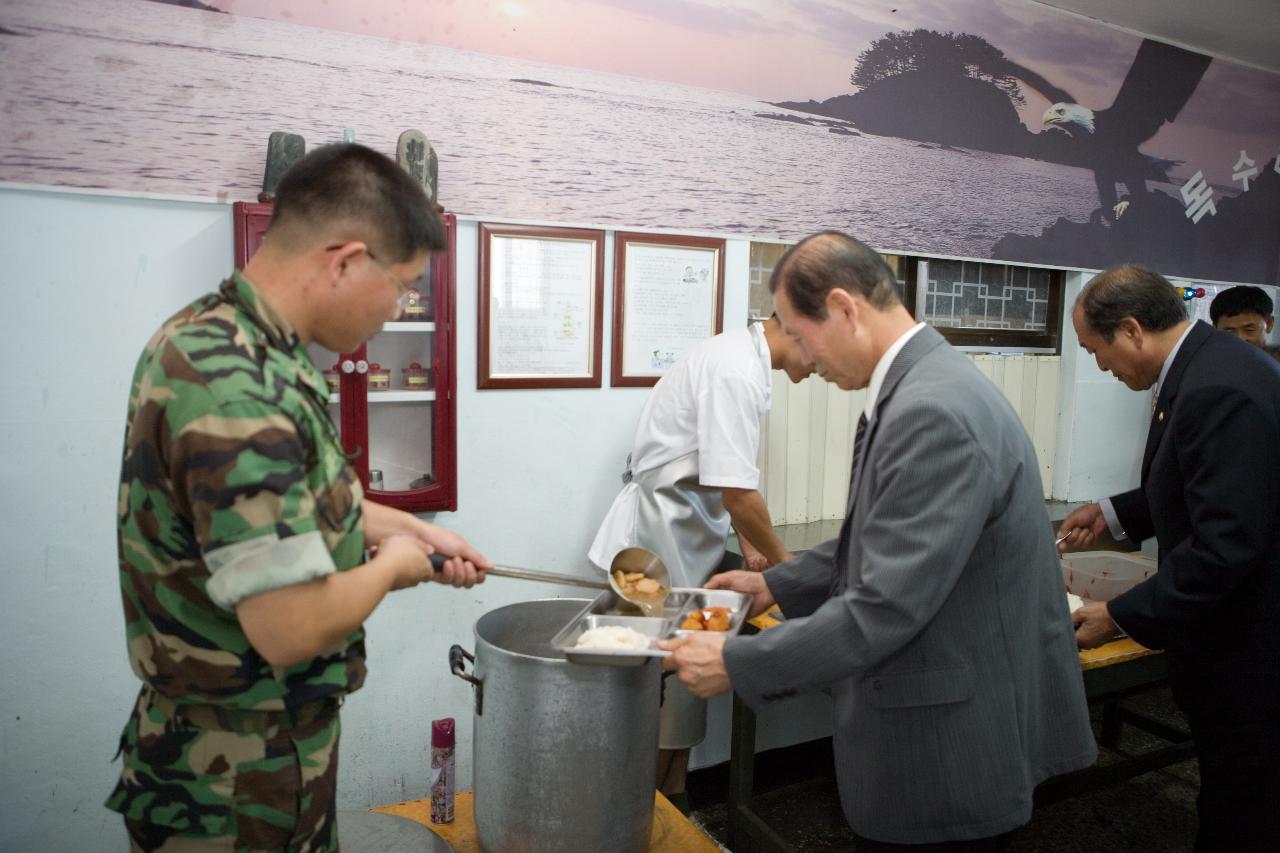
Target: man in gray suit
(938,615)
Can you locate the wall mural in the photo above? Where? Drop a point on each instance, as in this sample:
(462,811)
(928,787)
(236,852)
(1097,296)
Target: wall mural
(971,128)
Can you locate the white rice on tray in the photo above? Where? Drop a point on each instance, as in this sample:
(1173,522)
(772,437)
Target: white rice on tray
(611,637)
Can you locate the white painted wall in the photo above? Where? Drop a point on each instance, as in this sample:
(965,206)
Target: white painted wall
(1102,425)
(86,279)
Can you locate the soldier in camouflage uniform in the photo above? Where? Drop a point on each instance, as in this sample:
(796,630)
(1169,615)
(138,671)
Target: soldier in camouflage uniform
(243,530)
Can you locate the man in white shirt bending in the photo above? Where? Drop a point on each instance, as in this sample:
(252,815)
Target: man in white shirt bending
(692,472)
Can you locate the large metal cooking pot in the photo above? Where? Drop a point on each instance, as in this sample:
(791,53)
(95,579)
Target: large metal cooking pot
(565,753)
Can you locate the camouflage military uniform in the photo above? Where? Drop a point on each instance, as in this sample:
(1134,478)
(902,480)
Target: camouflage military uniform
(233,483)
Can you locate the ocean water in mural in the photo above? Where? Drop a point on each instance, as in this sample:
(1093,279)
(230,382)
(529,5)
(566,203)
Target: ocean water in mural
(141,96)
(149,98)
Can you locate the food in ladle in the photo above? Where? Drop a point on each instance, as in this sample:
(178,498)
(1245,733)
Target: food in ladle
(707,619)
(640,591)
(635,583)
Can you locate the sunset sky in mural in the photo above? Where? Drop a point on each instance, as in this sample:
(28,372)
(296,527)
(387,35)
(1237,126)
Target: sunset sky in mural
(774,50)
(771,49)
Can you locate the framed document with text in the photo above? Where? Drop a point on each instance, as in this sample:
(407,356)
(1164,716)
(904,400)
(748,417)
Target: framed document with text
(668,295)
(541,307)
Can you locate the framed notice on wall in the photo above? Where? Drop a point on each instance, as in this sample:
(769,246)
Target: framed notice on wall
(541,307)
(668,295)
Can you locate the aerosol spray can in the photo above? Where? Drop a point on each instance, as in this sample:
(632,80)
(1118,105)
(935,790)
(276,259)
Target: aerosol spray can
(442,770)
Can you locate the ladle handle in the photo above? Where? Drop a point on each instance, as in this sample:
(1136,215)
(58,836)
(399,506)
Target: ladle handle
(438,560)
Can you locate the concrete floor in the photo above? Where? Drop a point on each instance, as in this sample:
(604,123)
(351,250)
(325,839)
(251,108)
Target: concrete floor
(1152,813)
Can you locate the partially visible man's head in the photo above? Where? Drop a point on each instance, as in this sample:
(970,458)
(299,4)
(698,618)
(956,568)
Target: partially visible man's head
(351,231)
(349,192)
(1119,317)
(828,290)
(785,352)
(1245,312)
(829,259)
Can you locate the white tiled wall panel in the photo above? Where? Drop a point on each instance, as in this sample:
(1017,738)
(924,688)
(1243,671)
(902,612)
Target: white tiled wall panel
(808,439)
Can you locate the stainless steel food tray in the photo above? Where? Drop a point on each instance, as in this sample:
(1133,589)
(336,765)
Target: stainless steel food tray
(739,603)
(654,628)
(609,609)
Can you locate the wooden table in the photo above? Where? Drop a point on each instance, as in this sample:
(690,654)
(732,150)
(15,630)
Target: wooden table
(1111,672)
(672,831)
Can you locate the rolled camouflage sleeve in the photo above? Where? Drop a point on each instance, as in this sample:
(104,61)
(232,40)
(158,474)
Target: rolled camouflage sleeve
(240,469)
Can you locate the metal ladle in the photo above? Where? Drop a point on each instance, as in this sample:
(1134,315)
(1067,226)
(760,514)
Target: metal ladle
(438,561)
(627,560)
(648,564)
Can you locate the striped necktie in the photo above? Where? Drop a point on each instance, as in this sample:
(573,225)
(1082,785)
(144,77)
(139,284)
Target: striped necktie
(858,436)
(842,550)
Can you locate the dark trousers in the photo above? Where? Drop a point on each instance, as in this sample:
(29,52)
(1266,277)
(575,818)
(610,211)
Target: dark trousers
(1234,714)
(993,844)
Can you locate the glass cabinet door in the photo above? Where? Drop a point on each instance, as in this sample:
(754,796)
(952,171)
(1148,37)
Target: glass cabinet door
(393,398)
(398,402)
(401,394)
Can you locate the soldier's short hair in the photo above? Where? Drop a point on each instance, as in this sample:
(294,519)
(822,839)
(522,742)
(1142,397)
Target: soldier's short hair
(829,259)
(350,184)
(1242,299)
(1130,291)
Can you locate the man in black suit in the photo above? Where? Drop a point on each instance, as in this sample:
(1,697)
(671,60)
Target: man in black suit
(1210,494)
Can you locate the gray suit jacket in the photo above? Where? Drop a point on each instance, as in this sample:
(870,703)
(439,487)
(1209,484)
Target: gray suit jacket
(948,643)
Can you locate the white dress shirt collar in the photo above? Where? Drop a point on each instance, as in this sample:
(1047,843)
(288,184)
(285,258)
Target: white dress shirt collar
(882,369)
(1168,362)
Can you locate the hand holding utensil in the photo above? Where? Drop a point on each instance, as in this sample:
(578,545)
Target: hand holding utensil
(438,560)
(627,560)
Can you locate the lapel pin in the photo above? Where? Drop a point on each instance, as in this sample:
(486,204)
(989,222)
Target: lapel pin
(1160,417)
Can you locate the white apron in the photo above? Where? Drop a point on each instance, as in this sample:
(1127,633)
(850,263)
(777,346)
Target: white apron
(665,510)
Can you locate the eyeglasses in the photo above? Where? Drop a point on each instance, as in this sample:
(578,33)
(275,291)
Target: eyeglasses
(403,291)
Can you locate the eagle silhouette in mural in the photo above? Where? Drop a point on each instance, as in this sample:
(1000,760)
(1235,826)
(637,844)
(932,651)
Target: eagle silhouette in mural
(1156,88)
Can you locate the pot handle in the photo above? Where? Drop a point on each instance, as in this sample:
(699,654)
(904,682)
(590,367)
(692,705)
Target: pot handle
(458,656)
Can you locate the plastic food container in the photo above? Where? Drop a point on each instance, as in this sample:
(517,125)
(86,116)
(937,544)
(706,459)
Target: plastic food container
(379,377)
(416,308)
(416,377)
(334,378)
(1102,575)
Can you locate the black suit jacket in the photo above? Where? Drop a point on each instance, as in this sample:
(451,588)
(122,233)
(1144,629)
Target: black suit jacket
(1210,494)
